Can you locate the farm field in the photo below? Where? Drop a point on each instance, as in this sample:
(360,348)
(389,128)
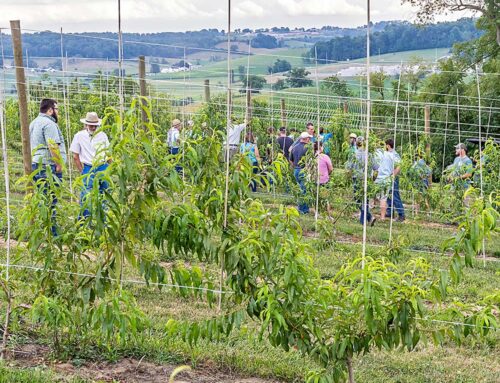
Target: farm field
(157,234)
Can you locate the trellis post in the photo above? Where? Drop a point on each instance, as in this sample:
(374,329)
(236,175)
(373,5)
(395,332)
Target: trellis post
(15,27)
(142,87)
(207,90)
(283,112)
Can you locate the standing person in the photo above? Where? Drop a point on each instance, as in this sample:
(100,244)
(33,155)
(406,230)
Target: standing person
(356,167)
(296,155)
(388,171)
(352,143)
(174,140)
(89,153)
(250,149)
(234,135)
(325,140)
(325,168)
(48,150)
(310,130)
(460,171)
(173,136)
(284,142)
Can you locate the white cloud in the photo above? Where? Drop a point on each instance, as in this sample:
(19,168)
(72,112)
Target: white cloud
(181,15)
(320,7)
(248,9)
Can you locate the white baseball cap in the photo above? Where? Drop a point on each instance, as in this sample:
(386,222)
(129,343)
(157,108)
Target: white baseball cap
(305,135)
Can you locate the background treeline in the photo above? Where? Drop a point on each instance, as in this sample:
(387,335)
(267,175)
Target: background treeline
(105,45)
(393,37)
(396,37)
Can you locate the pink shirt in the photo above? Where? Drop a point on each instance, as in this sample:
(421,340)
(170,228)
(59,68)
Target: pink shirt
(324,166)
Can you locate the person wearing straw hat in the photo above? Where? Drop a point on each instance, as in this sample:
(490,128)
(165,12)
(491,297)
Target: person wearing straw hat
(89,153)
(352,143)
(48,151)
(173,136)
(174,140)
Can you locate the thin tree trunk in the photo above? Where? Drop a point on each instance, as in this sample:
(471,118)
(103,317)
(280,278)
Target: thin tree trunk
(350,370)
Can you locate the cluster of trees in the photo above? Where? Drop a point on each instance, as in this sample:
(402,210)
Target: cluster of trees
(265,41)
(279,66)
(295,78)
(396,37)
(48,44)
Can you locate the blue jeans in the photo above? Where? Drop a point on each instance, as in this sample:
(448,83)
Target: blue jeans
(40,180)
(253,183)
(398,204)
(89,174)
(175,151)
(299,177)
(359,201)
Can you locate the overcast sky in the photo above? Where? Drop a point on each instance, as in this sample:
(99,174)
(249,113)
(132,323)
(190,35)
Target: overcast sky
(182,15)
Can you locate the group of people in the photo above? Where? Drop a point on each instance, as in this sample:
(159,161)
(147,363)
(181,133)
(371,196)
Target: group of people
(383,166)
(48,148)
(89,152)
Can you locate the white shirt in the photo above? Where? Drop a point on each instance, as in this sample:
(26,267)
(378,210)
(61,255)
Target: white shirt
(173,137)
(90,148)
(234,134)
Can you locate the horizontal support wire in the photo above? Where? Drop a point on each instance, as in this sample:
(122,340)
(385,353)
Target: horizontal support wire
(132,281)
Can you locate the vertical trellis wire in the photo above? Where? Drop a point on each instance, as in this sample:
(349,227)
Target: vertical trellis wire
(393,181)
(5,158)
(120,91)
(66,116)
(444,142)
(228,126)
(458,117)
(367,142)
(480,150)
(317,137)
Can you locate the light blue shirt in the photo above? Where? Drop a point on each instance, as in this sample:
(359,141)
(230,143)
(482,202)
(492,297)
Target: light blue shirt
(461,166)
(356,164)
(44,130)
(389,161)
(249,149)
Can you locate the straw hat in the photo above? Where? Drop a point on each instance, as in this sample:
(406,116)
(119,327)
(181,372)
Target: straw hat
(176,122)
(91,119)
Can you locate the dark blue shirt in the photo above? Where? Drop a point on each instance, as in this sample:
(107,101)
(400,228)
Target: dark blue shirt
(284,144)
(298,151)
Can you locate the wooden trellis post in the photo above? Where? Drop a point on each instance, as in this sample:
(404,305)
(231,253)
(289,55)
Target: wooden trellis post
(207,90)
(283,112)
(142,87)
(15,27)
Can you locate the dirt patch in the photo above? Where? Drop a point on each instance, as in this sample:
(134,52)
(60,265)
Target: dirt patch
(127,370)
